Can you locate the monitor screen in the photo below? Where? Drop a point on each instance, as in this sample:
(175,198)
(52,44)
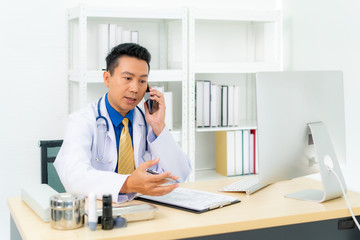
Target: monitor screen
(286,103)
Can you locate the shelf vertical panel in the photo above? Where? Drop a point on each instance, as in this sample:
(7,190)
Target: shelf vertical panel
(185,107)
(191,97)
(70,54)
(83,55)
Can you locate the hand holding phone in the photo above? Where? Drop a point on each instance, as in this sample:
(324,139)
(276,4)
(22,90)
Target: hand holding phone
(155,113)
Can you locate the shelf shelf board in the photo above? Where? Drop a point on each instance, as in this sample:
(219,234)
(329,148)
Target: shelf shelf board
(234,67)
(237,15)
(127,13)
(94,76)
(244,125)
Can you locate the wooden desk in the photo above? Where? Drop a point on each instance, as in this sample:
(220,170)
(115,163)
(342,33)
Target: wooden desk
(262,210)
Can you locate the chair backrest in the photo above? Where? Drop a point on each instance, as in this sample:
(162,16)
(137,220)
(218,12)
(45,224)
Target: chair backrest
(49,150)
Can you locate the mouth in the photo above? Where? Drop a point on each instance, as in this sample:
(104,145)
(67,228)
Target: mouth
(130,100)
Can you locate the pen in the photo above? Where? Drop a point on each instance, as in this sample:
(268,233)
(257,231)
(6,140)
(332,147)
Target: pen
(156,173)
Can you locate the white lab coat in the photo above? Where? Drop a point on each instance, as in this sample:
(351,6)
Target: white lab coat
(81,172)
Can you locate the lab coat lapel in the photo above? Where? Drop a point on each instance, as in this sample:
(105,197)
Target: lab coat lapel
(138,135)
(111,135)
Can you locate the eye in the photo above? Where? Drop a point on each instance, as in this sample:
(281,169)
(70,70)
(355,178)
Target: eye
(127,78)
(143,81)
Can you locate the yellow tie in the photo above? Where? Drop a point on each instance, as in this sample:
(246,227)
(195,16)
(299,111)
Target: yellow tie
(126,163)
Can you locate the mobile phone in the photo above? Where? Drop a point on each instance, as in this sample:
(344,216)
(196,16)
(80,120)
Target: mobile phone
(148,101)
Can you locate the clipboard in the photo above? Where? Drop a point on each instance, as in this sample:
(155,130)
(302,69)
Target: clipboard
(191,200)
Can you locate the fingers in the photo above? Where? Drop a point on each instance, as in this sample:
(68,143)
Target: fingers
(173,177)
(145,165)
(161,177)
(155,93)
(157,96)
(152,184)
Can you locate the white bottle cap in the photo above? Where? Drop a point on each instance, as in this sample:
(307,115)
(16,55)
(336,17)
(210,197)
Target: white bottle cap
(92,216)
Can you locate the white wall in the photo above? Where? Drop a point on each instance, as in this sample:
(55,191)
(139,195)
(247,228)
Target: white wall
(33,91)
(324,35)
(33,62)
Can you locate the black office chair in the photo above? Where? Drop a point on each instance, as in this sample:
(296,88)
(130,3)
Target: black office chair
(49,150)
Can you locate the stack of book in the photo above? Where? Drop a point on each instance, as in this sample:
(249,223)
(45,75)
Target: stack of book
(217,105)
(111,35)
(236,152)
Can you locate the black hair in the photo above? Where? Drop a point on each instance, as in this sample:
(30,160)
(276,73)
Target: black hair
(126,49)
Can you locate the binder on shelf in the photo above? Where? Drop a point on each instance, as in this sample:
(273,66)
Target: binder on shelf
(135,37)
(103,45)
(246,152)
(236,105)
(256,164)
(224,105)
(191,200)
(231,106)
(126,36)
(207,110)
(218,106)
(112,36)
(213,106)
(199,103)
(251,154)
(118,35)
(239,152)
(225,153)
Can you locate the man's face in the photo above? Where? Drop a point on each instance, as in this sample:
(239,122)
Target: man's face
(128,83)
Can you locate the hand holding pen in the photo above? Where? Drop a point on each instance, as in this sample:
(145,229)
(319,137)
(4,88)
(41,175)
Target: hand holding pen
(156,173)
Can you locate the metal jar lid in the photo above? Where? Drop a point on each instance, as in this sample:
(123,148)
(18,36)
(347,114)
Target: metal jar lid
(67,201)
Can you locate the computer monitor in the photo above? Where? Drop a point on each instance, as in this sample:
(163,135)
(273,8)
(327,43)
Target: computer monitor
(294,111)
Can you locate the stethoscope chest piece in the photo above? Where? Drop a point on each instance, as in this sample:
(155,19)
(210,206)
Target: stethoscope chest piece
(146,156)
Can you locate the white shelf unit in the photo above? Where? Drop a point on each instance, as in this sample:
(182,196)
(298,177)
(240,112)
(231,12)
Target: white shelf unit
(228,47)
(163,31)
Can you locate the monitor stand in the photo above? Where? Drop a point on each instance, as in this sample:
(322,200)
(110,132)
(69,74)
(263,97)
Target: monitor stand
(325,154)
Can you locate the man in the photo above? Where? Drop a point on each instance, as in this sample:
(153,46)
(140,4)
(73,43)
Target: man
(109,145)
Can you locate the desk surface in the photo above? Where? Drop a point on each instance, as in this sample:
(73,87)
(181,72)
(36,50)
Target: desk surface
(265,208)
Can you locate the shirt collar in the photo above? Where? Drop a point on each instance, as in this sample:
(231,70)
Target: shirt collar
(115,116)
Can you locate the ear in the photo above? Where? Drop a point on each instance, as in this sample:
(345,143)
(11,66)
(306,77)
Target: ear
(106,77)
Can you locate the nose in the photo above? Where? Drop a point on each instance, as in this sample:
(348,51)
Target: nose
(134,87)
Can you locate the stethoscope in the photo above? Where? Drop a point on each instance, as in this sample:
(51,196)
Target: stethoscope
(101,141)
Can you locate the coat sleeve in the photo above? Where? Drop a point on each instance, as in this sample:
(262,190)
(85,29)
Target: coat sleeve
(172,158)
(73,163)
